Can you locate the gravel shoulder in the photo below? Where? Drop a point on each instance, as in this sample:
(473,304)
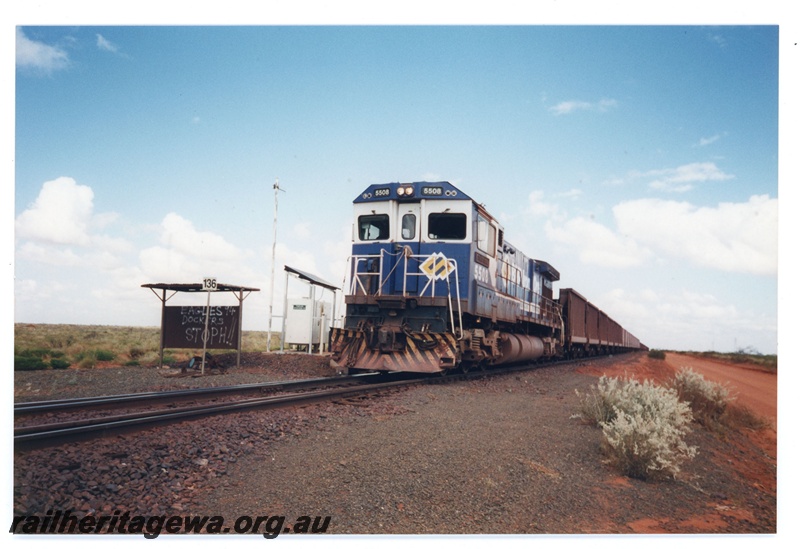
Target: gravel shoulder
(503,455)
(117,380)
(498,456)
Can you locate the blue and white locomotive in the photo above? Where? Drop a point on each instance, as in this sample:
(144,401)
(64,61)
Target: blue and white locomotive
(435,286)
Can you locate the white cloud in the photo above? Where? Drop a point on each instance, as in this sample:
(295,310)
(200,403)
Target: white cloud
(40,295)
(683,178)
(539,207)
(735,237)
(164,265)
(731,237)
(302,260)
(180,235)
(105,44)
(60,228)
(596,244)
(187,254)
(431,176)
(61,214)
(699,307)
(26,289)
(571,194)
(111,244)
(613,182)
(302,231)
(39,56)
(694,319)
(718,39)
(705,141)
(48,254)
(569,107)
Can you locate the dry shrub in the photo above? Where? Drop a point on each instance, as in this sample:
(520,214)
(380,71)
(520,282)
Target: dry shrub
(598,406)
(135,352)
(707,399)
(643,426)
(87,361)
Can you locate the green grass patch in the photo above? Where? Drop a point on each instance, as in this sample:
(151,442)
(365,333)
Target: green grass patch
(28,363)
(104,356)
(59,364)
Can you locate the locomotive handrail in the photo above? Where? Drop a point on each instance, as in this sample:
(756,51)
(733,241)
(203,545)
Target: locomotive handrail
(356,275)
(385,280)
(432,284)
(358,284)
(460,334)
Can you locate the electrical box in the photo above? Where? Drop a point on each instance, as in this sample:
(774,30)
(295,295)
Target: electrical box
(306,323)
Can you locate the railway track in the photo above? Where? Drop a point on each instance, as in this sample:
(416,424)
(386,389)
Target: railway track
(57,430)
(294,393)
(145,399)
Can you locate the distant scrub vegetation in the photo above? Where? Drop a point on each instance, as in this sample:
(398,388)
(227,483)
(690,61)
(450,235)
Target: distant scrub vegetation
(747,355)
(59,346)
(40,359)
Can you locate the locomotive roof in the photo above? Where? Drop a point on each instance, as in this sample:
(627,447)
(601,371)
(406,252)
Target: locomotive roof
(429,190)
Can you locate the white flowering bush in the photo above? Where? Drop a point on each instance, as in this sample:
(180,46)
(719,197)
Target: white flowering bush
(643,426)
(708,399)
(597,406)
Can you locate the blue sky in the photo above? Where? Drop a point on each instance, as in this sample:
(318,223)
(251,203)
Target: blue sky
(640,161)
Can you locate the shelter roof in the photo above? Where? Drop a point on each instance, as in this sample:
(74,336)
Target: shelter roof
(312,279)
(197,287)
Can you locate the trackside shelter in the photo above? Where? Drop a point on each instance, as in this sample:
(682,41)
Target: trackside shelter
(184,327)
(313,326)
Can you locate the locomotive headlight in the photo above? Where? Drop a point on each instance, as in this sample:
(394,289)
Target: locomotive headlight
(401,191)
(405,191)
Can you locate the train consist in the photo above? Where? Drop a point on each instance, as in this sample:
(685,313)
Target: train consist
(435,286)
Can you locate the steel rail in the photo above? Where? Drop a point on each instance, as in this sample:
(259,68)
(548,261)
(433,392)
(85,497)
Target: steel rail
(22,408)
(55,431)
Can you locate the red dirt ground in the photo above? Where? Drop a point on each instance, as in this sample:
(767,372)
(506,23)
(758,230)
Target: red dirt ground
(753,388)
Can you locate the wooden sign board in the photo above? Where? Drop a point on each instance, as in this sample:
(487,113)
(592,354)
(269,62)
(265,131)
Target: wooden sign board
(184,327)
